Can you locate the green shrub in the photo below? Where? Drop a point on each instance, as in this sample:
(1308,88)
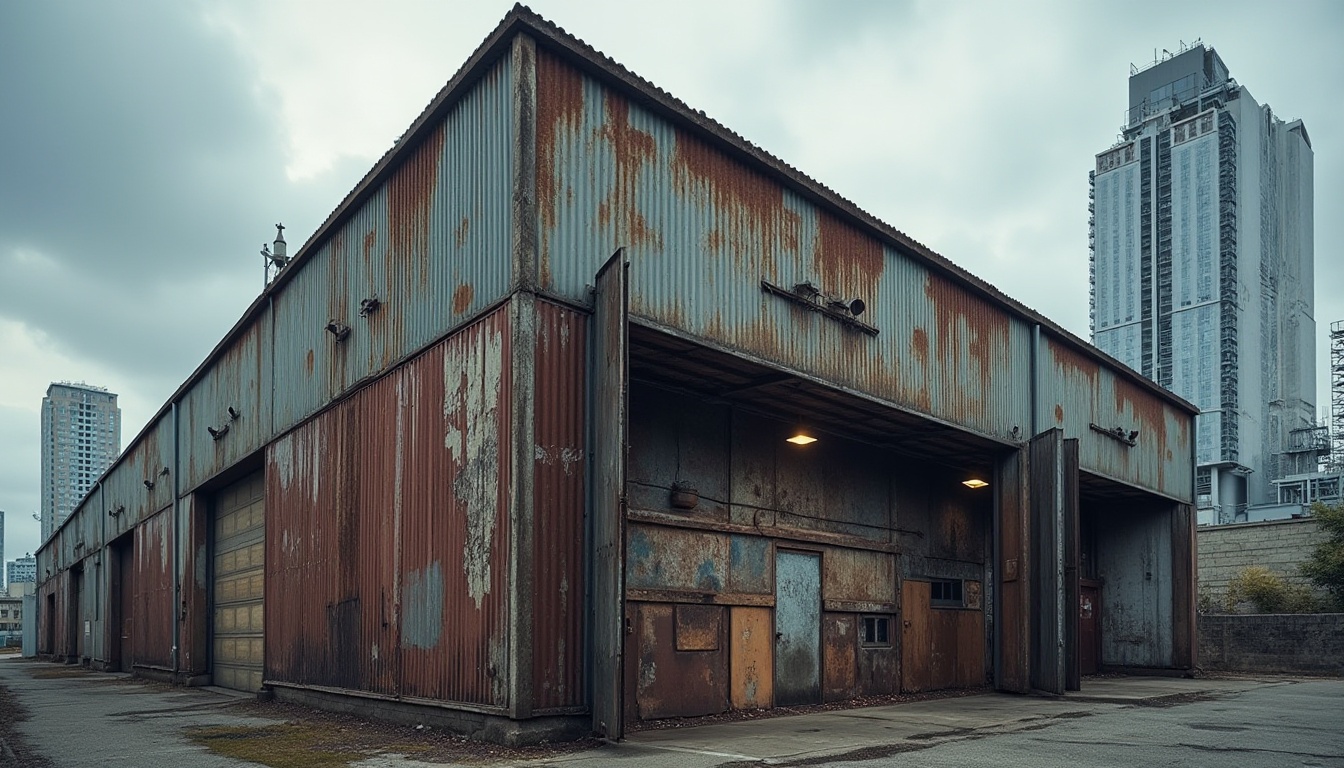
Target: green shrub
(1260,587)
(1325,567)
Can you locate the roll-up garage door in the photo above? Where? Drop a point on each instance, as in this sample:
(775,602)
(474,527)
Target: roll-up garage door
(239,585)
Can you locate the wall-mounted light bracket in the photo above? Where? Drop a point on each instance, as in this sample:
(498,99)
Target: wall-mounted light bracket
(808,296)
(1129,438)
(369,306)
(338,329)
(217,434)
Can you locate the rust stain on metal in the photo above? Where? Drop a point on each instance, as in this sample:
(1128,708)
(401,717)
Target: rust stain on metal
(382,576)
(859,575)
(699,627)
(633,149)
(848,262)
(410,198)
(370,240)
(462,297)
(559,117)
(839,651)
(672,683)
(559,474)
(1059,414)
(968,326)
(1070,363)
(919,346)
(460,233)
(308,362)
(749,206)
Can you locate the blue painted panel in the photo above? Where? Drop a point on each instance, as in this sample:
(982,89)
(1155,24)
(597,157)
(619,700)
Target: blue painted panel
(797,628)
(749,565)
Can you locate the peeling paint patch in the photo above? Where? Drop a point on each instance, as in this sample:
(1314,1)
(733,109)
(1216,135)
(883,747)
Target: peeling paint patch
(422,608)
(473,377)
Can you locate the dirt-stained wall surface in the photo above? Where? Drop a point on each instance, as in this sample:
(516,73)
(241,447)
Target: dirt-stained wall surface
(716,494)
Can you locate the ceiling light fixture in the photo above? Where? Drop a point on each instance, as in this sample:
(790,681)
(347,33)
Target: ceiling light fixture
(974,482)
(801,436)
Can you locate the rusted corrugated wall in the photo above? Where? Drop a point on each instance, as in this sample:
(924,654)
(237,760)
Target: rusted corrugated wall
(558,499)
(153,602)
(1079,391)
(431,244)
(387,538)
(52,628)
(126,500)
(240,378)
(702,230)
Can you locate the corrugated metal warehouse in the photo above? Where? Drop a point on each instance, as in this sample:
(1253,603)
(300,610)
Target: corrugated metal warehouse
(506,447)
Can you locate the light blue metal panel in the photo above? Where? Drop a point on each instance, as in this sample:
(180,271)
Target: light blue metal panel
(127,499)
(1134,562)
(797,628)
(703,229)
(1078,391)
(432,245)
(235,380)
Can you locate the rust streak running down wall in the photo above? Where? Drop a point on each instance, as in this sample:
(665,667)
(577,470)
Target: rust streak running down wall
(153,608)
(387,545)
(558,498)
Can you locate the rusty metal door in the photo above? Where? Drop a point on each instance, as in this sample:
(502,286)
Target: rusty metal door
(609,402)
(1073,678)
(916,637)
(1089,634)
(76,623)
(797,628)
(1047,561)
(124,587)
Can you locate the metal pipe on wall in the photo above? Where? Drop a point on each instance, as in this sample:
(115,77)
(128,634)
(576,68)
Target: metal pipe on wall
(1035,380)
(177,544)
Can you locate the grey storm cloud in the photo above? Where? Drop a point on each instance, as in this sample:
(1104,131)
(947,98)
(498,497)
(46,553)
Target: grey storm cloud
(141,172)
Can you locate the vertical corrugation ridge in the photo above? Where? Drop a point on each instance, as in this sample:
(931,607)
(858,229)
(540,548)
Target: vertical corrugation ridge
(558,497)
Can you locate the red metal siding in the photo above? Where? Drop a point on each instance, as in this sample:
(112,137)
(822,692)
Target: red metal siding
(558,499)
(154,610)
(387,543)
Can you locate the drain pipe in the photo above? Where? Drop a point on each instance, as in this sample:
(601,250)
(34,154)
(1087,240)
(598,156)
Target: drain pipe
(178,603)
(1035,380)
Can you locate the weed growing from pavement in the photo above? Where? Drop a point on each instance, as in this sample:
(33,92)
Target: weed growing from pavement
(284,745)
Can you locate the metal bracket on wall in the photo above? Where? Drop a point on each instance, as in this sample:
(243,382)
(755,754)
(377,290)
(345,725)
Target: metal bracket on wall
(810,297)
(1130,438)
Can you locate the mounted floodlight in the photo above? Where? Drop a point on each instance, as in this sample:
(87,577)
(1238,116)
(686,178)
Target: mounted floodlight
(975,483)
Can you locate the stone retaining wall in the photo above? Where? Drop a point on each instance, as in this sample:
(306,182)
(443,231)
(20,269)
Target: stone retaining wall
(1302,642)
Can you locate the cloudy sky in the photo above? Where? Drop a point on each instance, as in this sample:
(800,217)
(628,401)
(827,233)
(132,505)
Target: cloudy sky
(148,148)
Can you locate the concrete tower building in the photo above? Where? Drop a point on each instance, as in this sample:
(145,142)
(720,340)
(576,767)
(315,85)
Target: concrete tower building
(20,570)
(81,435)
(1201,268)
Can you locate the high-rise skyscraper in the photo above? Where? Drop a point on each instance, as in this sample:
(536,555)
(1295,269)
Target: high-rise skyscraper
(81,436)
(1201,267)
(21,569)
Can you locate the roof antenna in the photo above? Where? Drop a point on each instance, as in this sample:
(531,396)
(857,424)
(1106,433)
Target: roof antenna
(278,258)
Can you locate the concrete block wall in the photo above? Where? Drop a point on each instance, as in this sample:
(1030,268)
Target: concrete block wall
(1279,545)
(1305,642)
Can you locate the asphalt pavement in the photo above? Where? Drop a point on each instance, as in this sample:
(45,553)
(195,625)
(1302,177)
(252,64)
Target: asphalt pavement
(78,718)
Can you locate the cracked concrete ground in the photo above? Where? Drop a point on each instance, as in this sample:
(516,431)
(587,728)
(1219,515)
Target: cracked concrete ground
(78,719)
